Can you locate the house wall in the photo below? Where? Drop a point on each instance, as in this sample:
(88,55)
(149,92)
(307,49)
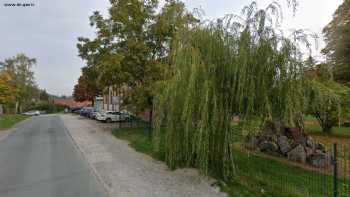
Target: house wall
(111,99)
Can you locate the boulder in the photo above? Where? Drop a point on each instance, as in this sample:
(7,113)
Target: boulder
(302,140)
(320,160)
(269,130)
(268,147)
(283,144)
(310,142)
(278,140)
(293,133)
(297,154)
(320,148)
(309,152)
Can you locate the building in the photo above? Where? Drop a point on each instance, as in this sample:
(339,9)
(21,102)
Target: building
(98,103)
(113,98)
(113,101)
(71,102)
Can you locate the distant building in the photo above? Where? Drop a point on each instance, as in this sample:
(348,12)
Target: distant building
(71,102)
(113,98)
(98,103)
(113,101)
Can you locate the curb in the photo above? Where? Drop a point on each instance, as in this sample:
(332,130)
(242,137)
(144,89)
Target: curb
(93,169)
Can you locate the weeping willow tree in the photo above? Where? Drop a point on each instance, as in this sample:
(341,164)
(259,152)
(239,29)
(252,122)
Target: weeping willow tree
(233,66)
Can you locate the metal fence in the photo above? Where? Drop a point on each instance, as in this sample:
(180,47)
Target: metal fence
(271,175)
(275,176)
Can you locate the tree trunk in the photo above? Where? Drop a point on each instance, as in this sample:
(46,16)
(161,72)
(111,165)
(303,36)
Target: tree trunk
(1,109)
(16,107)
(150,122)
(150,101)
(327,128)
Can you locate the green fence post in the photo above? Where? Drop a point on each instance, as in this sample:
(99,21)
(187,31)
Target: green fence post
(335,170)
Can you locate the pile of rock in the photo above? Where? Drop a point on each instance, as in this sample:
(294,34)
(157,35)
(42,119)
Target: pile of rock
(276,139)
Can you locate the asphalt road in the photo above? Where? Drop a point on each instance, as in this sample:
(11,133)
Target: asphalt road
(39,159)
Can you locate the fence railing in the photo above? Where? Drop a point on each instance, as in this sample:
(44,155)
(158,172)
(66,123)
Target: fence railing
(277,176)
(274,176)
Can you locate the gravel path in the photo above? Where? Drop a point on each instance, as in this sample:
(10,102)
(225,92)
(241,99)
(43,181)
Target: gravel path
(125,172)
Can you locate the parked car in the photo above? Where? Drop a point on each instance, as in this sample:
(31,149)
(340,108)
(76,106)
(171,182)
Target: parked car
(85,111)
(32,113)
(109,116)
(93,114)
(75,109)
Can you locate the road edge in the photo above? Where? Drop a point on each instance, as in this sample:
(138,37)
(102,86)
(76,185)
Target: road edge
(97,176)
(4,134)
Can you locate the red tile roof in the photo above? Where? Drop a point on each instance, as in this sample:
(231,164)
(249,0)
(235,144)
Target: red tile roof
(72,102)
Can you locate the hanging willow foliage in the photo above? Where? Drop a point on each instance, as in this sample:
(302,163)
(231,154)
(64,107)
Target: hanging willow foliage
(221,69)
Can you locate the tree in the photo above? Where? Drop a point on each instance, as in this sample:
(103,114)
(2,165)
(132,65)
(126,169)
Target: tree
(328,100)
(81,90)
(22,76)
(337,49)
(8,92)
(44,96)
(132,46)
(221,69)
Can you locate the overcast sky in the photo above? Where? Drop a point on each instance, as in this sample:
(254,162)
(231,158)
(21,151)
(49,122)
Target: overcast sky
(48,31)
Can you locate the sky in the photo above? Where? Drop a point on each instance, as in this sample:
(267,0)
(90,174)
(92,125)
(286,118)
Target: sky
(48,31)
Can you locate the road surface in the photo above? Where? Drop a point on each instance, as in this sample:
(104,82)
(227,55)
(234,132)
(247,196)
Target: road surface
(39,159)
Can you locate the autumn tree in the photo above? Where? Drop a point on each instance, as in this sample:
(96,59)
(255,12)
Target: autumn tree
(86,88)
(8,92)
(20,69)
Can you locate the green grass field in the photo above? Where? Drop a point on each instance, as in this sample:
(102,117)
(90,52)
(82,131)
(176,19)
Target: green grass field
(336,131)
(8,120)
(256,175)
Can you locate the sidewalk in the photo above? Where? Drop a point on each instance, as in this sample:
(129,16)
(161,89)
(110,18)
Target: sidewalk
(126,172)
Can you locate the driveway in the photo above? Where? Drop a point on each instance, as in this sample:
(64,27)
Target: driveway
(125,172)
(38,159)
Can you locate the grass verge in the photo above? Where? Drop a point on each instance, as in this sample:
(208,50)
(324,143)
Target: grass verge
(8,120)
(139,139)
(256,175)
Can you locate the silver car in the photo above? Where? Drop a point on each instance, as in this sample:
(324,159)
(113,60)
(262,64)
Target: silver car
(32,113)
(109,116)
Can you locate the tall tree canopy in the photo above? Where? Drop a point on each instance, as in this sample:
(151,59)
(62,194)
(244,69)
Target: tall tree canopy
(20,69)
(132,45)
(328,100)
(87,87)
(337,34)
(8,91)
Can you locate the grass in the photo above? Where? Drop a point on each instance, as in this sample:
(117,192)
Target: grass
(336,131)
(8,120)
(139,140)
(256,175)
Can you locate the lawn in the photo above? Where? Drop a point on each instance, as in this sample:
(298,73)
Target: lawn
(138,139)
(336,131)
(8,120)
(256,175)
